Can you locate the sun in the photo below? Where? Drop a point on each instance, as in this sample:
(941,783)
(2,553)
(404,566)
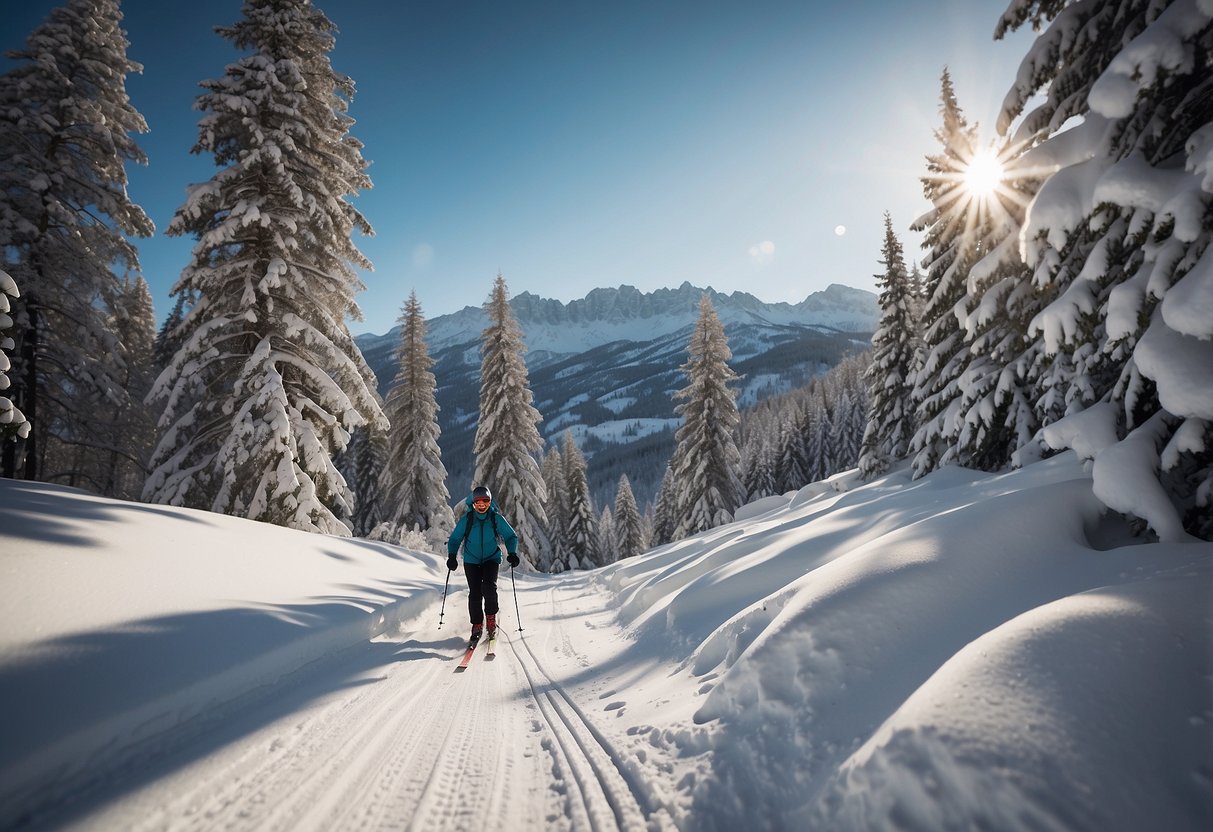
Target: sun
(983,174)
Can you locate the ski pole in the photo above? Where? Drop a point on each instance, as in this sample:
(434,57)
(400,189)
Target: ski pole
(442,611)
(517,614)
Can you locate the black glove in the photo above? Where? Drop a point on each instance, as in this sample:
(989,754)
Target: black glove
(451,563)
(512,559)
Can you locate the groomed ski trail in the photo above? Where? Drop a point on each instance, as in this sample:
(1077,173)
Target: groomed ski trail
(388,736)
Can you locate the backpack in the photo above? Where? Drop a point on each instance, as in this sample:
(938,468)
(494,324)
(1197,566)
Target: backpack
(467,527)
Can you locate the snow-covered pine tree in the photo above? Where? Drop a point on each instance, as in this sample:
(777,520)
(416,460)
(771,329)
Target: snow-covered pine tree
(818,442)
(65,138)
(555,556)
(132,428)
(791,462)
(581,522)
(891,419)
(629,524)
(996,413)
(413,478)
(268,382)
(169,337)
(1118,237)
(665,519)
(956,228)
(361,464)
(507,435)
(607,545)
(759,467)
(847,426)
(13,424)
(706,464)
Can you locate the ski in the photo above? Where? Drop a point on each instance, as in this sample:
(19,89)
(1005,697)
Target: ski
(490,652)
(467,655)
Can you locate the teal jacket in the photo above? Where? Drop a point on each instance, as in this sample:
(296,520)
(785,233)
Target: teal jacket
(481,546)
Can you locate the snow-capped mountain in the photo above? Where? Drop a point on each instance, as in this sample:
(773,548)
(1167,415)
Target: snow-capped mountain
(605,366)
(626,314)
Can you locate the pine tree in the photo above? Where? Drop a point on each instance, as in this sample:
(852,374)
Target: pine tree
(759,467)
(555,556)
(65,139)
(268,382)
(507,435)
(169,337)
(890,421)
(665,508)
(997,418)
(1118,239)
(361,465)
(846,430)
(415,495)
(817,436)
(607,545)
(13,424)
(955,227)
(629,525)
(132,427)
(581,520)
(706,463)
(973,407)
(791,463)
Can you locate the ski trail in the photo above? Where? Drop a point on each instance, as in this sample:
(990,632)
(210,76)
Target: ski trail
(384,736)
(612,800)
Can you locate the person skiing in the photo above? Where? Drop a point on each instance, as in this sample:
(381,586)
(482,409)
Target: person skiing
(478,532)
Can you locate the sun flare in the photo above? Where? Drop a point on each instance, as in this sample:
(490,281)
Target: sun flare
(984,173)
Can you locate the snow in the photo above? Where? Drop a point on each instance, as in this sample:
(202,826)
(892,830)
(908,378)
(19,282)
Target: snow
(1167,46)
(1188,306)
(964,650)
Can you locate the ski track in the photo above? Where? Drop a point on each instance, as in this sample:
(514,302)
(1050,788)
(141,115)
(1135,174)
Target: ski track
(406,745)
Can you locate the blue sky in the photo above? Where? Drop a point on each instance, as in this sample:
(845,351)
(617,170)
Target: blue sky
(574,145)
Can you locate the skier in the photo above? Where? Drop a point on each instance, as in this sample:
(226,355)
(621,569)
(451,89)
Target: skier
(477,532)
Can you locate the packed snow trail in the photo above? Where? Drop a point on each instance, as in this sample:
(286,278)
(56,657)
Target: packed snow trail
(385,736)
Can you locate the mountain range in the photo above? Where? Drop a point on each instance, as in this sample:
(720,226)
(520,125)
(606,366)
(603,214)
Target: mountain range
(605,367)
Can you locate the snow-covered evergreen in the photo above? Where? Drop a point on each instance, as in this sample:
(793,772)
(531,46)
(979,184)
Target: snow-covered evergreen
(706,465)
(607,543)
(131,427)
(791,462)
(555,556)
(581,521)
(507,434)
(13,424)
(415,495)
(665,518)
(955,232)
(974,408)
(1118,240)
(268,382)
(894,347)
(361,464)
(169,337)
(65,138)
(758,479)
(630,537)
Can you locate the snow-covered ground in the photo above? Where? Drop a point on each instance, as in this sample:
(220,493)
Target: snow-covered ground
(961,651)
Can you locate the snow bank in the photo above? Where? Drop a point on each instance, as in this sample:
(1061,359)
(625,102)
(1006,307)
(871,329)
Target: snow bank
(122,620)
(960,651)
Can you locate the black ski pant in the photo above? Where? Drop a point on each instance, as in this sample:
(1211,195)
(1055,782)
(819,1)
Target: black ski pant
(482,586)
